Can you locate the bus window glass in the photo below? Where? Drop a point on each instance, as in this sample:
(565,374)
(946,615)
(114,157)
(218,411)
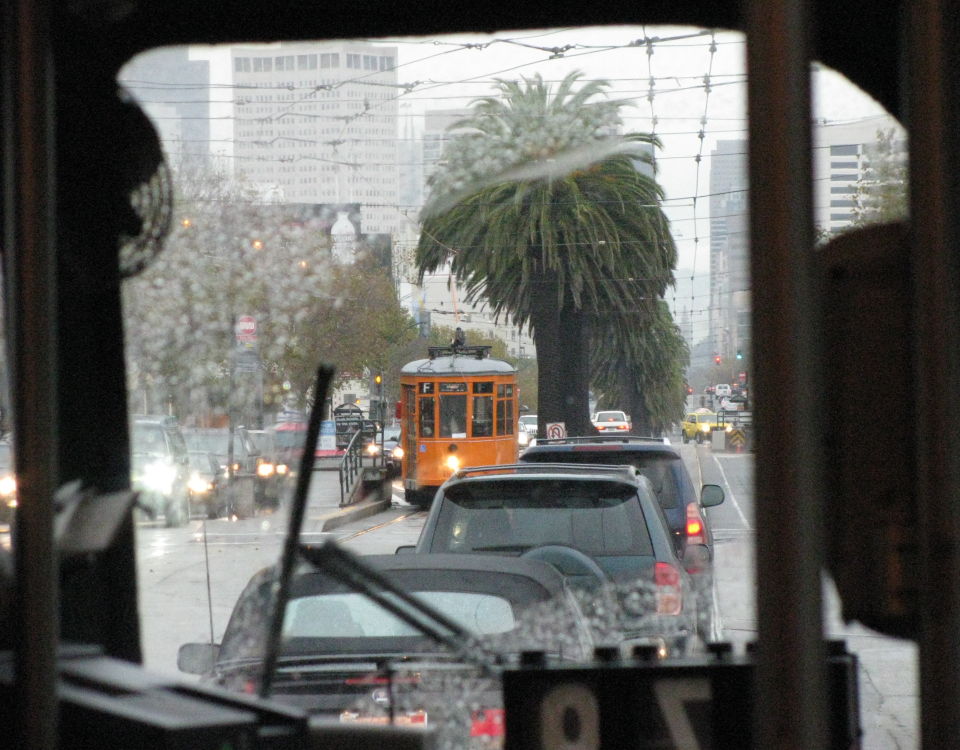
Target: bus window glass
(263,277)
(453,416)
(482,416)
(426,418)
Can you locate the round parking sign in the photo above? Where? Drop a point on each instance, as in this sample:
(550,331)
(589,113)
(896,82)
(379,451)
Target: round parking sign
(556,430)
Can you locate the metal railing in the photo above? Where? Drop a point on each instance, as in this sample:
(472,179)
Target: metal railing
(351,466)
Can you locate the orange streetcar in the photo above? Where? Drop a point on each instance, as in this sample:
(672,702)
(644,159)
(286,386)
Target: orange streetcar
(458,408)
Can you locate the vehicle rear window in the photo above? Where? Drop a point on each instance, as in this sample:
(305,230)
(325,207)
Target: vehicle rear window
(611,416)
(356,615)
(598,518)
(654,466)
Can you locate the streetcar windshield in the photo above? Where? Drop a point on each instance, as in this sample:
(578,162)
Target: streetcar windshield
(572,201)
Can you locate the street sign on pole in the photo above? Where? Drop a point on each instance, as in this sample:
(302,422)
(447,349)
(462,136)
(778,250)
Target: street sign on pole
(245,330)
(556,430)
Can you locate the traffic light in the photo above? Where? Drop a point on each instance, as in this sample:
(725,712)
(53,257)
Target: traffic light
(739,354)
(378,379)
(716,359)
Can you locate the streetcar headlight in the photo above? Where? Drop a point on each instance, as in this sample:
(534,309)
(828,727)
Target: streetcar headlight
(265,469)
(453,463)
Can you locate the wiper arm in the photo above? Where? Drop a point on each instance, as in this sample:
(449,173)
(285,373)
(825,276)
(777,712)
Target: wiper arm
(298,508)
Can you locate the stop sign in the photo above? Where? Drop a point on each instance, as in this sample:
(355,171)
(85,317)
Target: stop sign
(246,329)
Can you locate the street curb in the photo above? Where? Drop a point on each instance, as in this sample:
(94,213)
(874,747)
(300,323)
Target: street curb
(353,512)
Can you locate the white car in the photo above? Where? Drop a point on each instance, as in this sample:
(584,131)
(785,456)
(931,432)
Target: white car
(722,389)
(611,421)
(527,429)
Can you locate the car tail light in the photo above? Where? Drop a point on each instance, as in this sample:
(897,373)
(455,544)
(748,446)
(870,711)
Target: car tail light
(669,596)
(695,531)
(487,722)
(623,427)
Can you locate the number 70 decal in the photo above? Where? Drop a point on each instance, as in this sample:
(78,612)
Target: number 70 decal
(673,695)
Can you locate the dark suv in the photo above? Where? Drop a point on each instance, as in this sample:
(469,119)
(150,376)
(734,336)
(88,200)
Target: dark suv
(657,460)
(601,526)
(161,468)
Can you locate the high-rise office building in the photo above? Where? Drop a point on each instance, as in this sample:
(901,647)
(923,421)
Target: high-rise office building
(842,153)
(317,123)
(174,91)
(729,311)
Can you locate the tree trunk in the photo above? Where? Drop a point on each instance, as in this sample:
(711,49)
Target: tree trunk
(563,362)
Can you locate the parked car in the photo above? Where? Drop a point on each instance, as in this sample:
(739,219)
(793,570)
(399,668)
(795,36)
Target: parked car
(161,468)
(611,421)
(601,525)
(344,656)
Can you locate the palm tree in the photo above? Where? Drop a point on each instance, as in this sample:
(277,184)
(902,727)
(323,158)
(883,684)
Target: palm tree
(640,369)
(539,208)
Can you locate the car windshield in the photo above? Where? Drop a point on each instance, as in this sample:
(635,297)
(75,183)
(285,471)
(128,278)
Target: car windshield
(357,201)
(149,439)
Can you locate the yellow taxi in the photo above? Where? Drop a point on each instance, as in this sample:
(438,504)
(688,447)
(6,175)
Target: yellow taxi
(697,425)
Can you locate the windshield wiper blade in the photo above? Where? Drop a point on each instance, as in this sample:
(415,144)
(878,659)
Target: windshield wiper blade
(503,548)
(298,508)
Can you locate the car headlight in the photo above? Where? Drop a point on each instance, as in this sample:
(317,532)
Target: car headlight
(265,469)
(8,486)
(158,477)
(282,469)
(397,453)
(373,449)
(198,485)
(705,428)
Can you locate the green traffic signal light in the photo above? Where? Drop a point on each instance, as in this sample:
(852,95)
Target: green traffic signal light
(739,354)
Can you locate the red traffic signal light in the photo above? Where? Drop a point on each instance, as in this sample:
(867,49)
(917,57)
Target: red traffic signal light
(716,359)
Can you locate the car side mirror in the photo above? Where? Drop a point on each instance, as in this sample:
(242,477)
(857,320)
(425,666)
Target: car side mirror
(405,549)
(197,658)
(710,495)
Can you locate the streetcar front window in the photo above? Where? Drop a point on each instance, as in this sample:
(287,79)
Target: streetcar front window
(482,416)
(453,416)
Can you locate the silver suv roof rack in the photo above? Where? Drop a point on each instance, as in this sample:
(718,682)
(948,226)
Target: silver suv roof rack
(624,470)
(602,439)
